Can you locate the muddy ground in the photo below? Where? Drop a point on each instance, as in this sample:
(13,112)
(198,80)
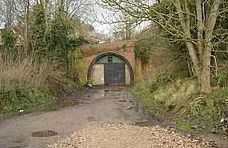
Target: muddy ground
(102,105)
(113,105)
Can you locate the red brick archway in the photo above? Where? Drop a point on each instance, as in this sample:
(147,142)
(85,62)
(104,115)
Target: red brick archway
(123,49)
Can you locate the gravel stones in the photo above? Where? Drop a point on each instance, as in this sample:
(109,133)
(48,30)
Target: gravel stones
(117,135)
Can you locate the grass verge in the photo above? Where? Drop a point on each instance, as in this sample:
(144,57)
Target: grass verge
(175,98)
(34,99)
(28,86)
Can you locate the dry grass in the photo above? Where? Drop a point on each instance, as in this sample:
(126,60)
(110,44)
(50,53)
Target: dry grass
(23,86)
(22,73)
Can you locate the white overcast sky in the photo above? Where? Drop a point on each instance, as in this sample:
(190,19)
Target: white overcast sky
(102,13)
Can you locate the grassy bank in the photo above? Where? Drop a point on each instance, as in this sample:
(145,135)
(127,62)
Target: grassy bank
(27,86)
(25,100)
(175,98)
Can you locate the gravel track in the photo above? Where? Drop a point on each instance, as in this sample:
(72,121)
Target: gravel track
(116,135)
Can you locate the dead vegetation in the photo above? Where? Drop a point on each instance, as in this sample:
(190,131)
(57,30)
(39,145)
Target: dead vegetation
(27,85)
(23,73)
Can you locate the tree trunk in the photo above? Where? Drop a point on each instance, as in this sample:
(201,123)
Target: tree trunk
(205,85)
(205,59)
(205,72)
(27,36)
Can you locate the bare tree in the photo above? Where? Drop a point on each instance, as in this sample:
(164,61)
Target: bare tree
(185,16)
(7,9)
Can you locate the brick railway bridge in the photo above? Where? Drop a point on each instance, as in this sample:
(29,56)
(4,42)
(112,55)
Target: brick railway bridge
(111,63)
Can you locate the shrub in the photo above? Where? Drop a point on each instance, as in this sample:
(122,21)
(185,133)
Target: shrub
(22,84)
(221,79)
(143,50)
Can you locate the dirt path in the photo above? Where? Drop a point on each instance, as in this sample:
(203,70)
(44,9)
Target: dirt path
(97,107)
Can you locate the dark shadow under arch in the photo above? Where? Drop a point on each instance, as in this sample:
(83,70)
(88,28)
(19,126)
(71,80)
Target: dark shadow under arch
(94,61)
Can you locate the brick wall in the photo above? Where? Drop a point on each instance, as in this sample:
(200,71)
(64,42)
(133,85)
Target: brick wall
(122,48)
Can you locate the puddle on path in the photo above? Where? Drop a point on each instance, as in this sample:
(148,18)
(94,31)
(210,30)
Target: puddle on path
(109,93)
(44,133)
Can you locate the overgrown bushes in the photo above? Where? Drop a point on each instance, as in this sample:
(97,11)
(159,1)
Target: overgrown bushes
(22,85)
(170,91)
(172,96)
(29,80)
(25,100)
(143,50)
(221,79)
(27,85)
(176,99)
(37,57)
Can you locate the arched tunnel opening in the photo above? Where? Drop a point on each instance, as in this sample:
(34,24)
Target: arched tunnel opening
(110,69)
